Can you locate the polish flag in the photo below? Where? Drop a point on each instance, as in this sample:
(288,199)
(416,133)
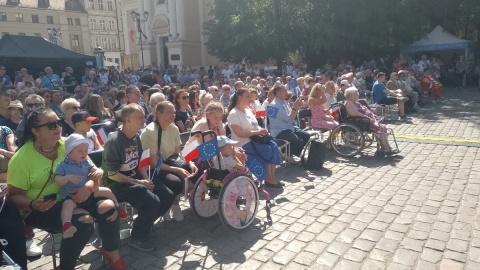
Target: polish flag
(101,136)
(144,159)
(190,151)
(335,110)
(260,111)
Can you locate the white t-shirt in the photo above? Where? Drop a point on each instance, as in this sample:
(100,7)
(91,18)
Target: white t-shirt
(246,121)
(227,73)
(228,163)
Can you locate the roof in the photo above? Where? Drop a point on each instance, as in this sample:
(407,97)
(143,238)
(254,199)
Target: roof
(34,47)
(438,40)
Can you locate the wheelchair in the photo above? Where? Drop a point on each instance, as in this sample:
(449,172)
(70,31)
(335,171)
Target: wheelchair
(353,134)
(234,197)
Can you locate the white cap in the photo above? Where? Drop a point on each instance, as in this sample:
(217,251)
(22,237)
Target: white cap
(224,140)
(75,140)
(345,82)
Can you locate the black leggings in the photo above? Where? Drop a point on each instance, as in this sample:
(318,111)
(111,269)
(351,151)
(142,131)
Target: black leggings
(71,248)
(150,205)
(11,229)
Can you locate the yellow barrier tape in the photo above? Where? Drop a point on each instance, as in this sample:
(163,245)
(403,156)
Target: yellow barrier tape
(424,138)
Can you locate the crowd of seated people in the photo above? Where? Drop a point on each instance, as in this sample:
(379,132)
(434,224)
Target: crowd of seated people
(37,115)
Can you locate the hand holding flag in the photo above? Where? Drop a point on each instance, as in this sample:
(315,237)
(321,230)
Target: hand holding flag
(190,151)
(144,159)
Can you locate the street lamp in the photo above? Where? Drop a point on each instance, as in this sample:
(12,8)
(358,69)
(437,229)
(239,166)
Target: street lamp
(141,35)
(54,33)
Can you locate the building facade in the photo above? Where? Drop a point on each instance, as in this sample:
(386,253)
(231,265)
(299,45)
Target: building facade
(41,17)
(104,28)
(173,32)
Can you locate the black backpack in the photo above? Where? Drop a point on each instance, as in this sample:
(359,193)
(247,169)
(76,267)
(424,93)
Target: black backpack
(316,155)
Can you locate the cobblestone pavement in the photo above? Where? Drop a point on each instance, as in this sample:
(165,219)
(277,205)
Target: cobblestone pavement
(418,211)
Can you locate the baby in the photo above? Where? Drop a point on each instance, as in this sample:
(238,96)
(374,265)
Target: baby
(72,173)
(230,161)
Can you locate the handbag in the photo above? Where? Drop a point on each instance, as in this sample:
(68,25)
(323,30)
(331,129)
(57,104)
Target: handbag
(4,163)
(175,160)
(262,139)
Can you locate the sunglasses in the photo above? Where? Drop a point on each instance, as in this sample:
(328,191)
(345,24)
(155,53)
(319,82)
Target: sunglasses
(184,97)
(52,125)
(31,105)
(75,108)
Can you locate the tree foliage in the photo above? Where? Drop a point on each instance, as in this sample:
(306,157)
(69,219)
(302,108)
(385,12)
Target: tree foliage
(258,30)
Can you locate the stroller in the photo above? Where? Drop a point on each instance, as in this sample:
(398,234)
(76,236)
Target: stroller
(234,196)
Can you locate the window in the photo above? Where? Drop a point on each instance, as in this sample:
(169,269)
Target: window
(50,19)
(102,24)
(75,41)
(104,42)
(70,21)
(34,18)
(43,3)
(112,25)
(96,42)
(100,4)
(3,16)
(77,21)
(110,5)
(21,34)
(37,34)
(19,17)
(4,34)
(91,4)
(93,24)
(111,44)
(13,2)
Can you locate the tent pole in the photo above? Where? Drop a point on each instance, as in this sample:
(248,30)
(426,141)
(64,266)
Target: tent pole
(464,82)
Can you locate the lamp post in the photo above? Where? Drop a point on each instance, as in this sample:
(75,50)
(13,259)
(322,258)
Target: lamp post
(54,33)
(136,18)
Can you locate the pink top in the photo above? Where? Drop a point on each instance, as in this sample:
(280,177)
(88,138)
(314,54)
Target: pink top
(202,125)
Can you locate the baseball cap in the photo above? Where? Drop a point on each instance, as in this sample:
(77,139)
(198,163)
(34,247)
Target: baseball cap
(83,116)
(75,140)
(345,82)
(224,140)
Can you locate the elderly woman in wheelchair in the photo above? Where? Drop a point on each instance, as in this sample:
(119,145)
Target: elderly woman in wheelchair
(366,120)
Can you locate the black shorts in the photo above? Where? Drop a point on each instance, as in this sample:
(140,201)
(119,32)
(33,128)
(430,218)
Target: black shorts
(388,100)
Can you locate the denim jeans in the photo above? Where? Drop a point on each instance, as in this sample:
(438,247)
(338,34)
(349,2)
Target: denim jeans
(297,138)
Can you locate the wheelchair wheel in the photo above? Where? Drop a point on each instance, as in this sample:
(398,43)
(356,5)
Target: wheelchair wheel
(238,202)
(347,140)
(203,201)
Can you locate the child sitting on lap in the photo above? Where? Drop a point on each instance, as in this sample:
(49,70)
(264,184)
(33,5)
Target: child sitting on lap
(72,173)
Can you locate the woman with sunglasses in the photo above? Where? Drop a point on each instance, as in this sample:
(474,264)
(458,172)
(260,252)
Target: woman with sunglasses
(69,107)
(43,148)
(182,113)
(32,102)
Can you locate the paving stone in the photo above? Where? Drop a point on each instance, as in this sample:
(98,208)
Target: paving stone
(338,248)
(371,264)
(431,255)
(327,259)
(348,236)
(474,254)
(424,265)
(364,245)
(447,264)
(371,235)
(406,257)
(347,265)
(456,256)
(284,257)
(263,255)
(355,255)
(295,246)
(387,245)
(457,245)
(436,244)
(412,244)
(472,266)
(394,235)
(316,247)
(380,255)
(305,258)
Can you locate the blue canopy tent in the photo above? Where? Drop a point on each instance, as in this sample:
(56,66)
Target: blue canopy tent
(439,40)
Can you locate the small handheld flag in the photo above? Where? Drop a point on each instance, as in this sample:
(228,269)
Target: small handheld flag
(209,149)
(258,170)
(144,159)
(190,151)
(272,112)
(101,136)
(159,164)
(260,110)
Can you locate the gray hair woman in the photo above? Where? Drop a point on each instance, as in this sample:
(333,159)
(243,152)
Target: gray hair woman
(354,108)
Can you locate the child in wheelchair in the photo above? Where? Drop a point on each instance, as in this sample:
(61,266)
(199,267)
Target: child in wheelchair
(230,160)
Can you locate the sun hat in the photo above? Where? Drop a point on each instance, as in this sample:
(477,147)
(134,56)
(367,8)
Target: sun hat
(15,104)
(224,140)
(75,140)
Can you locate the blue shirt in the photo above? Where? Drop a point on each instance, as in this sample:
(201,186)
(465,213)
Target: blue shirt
(378,93)
(69,166)
(51,82)
(282,121)
(8,81)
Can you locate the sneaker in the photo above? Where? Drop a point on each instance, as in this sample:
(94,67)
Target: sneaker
(177,214)
(122,213)
(291,160)
(142,244)
(32,249)
(68,230)
(405,118)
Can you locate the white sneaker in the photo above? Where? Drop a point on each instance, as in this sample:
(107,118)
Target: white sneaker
(32,249)
(291,160)
(177,214)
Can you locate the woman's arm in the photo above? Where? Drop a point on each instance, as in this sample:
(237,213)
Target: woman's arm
(181,126)
(352,110)
(96,144)
(19,198)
